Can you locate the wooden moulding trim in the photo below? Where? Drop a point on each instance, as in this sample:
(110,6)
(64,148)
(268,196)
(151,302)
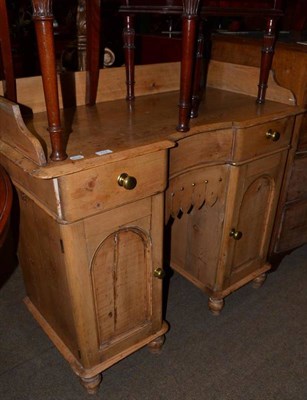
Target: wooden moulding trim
(14,132)
(244,79)
(264,155)
(150,79)
(287,112)
(71,359)
(223,293)
(69,167)
(220,294)
(204,10)
(17,158)
(44,207)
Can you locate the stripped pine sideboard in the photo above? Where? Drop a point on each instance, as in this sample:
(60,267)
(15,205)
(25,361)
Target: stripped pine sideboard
(135,195)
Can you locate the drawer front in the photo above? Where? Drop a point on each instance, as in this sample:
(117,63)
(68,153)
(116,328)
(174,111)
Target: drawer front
(95,190)
(204,148)
(262,139)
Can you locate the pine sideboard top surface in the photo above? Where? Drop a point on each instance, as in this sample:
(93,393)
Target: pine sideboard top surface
(113,126)
(121,129)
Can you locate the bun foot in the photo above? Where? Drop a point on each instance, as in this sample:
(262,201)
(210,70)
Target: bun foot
(215,305)
(155,346)
(91,384)
(258,282)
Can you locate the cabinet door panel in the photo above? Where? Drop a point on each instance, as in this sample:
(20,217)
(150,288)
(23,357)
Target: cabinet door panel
(120,272)
(253,221)
(196,201)
(256,201)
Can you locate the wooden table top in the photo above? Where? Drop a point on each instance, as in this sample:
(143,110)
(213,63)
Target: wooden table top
(149,121)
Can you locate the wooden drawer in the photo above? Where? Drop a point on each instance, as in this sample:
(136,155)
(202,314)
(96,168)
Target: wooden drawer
(95,190)
(255,141)
(204,148)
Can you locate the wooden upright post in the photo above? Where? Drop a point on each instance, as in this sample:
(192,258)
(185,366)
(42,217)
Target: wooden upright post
(43,19)
(129,48)
(189,29)
(93,27)
(266,58)
(9,84)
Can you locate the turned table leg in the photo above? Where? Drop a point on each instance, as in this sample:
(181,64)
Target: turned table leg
(215,305)
(9,83)
(189,29)
(259,281)
(129,48)
(156,345)
(196,95)
(266,58)
(43,19)
(93,21)
(91,384)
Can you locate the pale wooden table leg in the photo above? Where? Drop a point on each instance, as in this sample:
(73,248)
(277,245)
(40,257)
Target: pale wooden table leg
(156,345)
(92,384)
(215,305)
(259,281)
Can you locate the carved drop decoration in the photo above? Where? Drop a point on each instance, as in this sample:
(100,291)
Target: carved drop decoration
(42,8)
(81,34)
(190,7)
(81,17)
(193,190)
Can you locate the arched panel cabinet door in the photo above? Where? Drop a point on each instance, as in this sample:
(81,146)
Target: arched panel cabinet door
(121,272)
(249,229)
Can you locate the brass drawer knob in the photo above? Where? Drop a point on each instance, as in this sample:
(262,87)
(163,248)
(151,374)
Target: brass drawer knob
(273,135)
(235,234)
(159,273)
(126,181)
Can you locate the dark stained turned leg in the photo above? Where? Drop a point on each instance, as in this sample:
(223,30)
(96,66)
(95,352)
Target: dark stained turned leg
(43,19)
(129,48)
(9,84)
(93,21)
(259,281)
(266,58)
(91,384)
(215,305)
(156,345)
(196,95)
(189,29)
(81,34)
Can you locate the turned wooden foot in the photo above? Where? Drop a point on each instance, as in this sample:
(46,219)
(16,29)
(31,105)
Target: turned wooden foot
(91,384)
(156,345)
(258,282)
(215,305)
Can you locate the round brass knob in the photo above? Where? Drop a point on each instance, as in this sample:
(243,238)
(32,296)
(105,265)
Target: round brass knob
(273,135)
(126,181)
(235,234)
(159,273)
